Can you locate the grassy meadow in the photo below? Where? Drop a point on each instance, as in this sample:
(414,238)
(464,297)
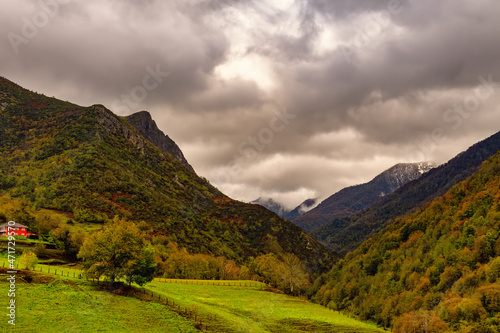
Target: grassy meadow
(52,304)
(250,309)
(48,303)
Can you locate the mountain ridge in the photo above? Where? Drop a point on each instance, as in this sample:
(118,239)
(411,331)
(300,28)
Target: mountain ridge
(303,208)
(145,124)
(437,267)
(95,165)
(353,199)
(281,210)
(344,234)
(270,204)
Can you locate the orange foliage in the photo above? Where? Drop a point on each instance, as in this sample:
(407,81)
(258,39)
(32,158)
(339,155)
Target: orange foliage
(419,322)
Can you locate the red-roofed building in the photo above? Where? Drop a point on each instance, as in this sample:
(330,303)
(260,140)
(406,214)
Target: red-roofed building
(18,228)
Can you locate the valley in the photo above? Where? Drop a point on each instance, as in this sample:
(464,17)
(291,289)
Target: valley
(113,199)
(66,303)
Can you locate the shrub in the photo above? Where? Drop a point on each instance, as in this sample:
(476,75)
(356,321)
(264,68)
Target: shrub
(28,260)
(40,250)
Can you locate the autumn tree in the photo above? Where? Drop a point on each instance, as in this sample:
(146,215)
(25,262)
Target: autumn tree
(29,260)
(286,273)
(119,250)
(420,322)
(68,239)
(493,271)
(294,274)
(143,269)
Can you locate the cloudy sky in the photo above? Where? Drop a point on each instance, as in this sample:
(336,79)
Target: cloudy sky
(289,99)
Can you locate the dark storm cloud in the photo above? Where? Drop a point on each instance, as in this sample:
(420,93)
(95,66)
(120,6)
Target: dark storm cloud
(108,46)
(455,48)
(367,82)
(345,9)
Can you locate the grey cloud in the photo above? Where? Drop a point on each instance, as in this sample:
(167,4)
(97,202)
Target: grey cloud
(389,97)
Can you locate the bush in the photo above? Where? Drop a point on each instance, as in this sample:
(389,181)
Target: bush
(88,216)
(29,260)
(40,250)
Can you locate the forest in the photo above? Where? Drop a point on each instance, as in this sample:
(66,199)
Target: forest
(439,265)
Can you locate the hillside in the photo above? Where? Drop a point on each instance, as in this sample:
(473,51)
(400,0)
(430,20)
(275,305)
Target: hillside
(344,234)
(94,165)
(258,311)
(54,304)
(355,198)
(438,267)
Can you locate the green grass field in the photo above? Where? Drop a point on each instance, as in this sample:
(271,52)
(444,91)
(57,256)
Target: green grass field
(63,271)
(66,304)
(70,305)
(250,309)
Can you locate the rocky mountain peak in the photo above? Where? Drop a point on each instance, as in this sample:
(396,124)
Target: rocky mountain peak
(402,173)
(144,123)
(353,199)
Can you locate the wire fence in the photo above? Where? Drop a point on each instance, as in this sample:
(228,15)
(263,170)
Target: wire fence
(59,271)
(201,321)
(227,283)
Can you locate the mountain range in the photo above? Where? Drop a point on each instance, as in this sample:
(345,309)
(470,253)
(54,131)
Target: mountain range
(421,243)
(282,211)
(352,199)
(94,165)
(344,234)
(436,269)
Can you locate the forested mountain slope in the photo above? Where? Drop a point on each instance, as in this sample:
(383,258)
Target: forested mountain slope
(353,199)
(438,267)
(344,234)
(94,165)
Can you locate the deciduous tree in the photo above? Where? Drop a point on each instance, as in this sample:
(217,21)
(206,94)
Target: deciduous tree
(119,250)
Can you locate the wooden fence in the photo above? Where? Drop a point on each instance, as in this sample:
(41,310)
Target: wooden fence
(65,272)
(201,321)
(232,283)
